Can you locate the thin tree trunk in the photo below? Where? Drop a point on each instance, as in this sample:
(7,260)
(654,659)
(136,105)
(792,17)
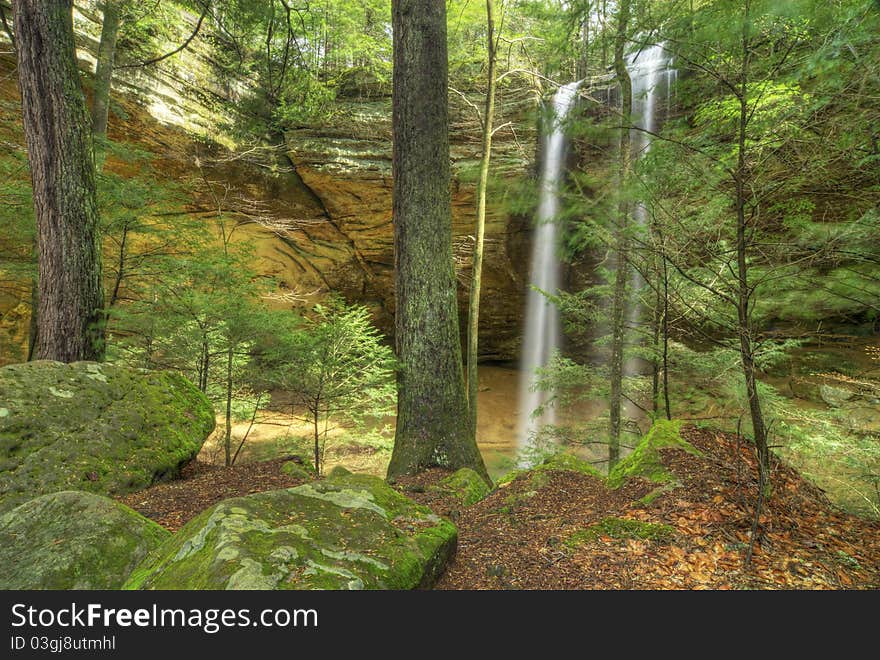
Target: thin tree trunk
(482,189)
(433,428)
(317,438)
(743,292)
(584,43)
(621,275)
(228,444)
(33,324)
(656,323)
(665,334)
(104,75)
(660,381)
(618,306)
(204,363)
(56,125)
(120,270)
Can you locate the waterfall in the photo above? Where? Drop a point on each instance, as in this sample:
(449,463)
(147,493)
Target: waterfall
(653,77)
(542,332)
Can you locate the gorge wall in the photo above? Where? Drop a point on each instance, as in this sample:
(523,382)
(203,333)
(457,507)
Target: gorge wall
(318,210)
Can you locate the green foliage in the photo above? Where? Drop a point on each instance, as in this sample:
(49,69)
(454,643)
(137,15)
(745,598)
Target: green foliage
(17,236)
(336,368)
(645,460)
(621,528)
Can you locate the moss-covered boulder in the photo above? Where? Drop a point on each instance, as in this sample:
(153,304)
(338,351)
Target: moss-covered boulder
(464,485)
(557,462)
(645,460)
(347,532)
(73,540)
(96,427)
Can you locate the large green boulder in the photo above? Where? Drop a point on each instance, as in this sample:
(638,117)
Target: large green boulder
(97,427)
(73,540)
(348,532)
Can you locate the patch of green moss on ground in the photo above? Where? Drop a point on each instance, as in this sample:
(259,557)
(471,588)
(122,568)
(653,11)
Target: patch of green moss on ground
(465,485)
(656,493)
(557,462)
(349,532)
(645,460)
(621,528)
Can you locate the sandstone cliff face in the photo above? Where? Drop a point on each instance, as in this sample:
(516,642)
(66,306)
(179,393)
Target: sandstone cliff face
(321,219)
(346,163)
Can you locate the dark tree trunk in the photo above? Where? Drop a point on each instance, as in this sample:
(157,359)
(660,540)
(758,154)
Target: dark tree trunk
(104,70)
(665,336)
(433,428)
(622,270)
(57,131)
(33,326)
(230,354)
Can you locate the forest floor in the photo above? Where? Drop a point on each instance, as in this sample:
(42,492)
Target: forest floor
(568,530)
(202,485)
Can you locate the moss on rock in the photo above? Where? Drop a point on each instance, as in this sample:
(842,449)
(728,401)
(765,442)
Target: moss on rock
(298,470)
(73,540)
(101,428)
(346,532)
(464,485)
(645,460)
(621,528)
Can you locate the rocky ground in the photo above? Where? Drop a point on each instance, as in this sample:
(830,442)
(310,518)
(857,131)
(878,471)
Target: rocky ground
(567,529)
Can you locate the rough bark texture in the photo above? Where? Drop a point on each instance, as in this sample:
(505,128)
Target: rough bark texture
(104,68)
(57,130)
(432,415)
(621,275)
(480,234)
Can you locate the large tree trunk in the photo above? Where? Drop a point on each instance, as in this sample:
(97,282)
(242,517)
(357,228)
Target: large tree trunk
(104,71)
(482,189)
(621,275)
(56,126)
(433,428)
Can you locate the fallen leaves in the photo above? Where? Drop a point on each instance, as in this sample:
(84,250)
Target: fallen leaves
(803,542)
(202,485)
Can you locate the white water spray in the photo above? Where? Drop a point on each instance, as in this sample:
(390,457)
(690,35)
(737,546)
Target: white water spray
(652,77)
(542,333)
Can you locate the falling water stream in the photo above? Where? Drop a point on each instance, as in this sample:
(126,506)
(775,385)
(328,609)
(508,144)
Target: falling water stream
(542,332)
(652,76)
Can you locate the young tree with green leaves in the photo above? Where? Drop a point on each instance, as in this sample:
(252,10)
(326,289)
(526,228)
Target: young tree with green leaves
(335,367)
